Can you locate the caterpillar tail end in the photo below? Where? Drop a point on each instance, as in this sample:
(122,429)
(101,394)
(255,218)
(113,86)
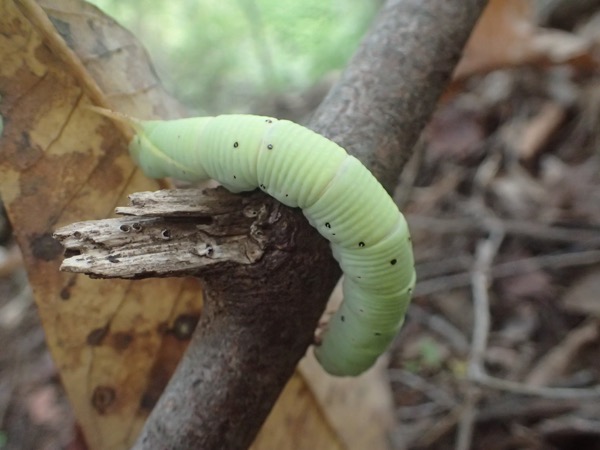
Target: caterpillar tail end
(338,358)
(336,366)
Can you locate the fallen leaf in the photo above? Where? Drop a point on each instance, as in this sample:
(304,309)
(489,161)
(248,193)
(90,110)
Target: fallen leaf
(507,36)
(61,163)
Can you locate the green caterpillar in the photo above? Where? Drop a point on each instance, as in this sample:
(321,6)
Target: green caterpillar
(369,237)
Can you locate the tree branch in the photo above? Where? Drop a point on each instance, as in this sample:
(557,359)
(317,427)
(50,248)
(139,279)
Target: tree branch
(390,88)
(263,300)
(172,233)
(253,331)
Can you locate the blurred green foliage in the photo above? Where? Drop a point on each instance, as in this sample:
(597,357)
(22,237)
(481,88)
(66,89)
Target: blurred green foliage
(229,55)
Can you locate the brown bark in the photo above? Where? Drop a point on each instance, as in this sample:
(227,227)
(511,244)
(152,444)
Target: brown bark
(391,86)
(262,296)
(255,330)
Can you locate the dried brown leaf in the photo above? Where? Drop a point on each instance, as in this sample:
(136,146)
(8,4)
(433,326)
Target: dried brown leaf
(114,342)
(507,36)
(60,163)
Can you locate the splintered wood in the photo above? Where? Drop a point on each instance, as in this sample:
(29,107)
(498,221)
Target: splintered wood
(167,233)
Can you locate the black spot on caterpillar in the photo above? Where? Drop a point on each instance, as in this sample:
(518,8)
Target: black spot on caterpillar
(303,169)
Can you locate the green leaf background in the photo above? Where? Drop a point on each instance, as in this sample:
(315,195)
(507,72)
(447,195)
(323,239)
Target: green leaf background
(232,55)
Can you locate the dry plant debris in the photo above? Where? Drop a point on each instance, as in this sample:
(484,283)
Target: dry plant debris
(501,348)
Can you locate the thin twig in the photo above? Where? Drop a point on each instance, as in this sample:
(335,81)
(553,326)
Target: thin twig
(556,361)
(437,267)
(486,380)
(440,326)
(420,411)
(534,230)
(418,383)
(486,251)
(511,268)
(440,427)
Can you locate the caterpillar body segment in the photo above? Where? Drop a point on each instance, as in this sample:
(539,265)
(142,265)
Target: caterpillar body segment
(338,195)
